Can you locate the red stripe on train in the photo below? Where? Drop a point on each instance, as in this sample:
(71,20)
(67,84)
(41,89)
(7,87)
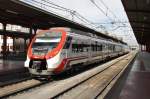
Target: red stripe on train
(66,61)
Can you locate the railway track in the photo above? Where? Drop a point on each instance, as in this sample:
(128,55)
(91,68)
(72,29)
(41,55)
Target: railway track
(12,89)
(95,85)
(78,84)
(13,81)
(99,85)
(13,76)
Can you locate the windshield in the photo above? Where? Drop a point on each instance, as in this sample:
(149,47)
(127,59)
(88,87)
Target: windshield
(46,42)
(48,45)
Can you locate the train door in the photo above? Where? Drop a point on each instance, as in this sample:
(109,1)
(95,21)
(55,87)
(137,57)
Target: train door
(67,47)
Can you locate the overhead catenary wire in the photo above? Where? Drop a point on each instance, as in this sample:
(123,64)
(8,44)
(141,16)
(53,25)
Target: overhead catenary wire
(37,3)
(113,21)
(107,8)
(73,13)
(119,23)
(101,10)
(69,10)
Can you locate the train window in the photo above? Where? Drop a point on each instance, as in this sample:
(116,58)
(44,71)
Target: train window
(87,49)
(103,47)
(88,46)
(81,47)
(75,48)
(84,47)
(92,47)
(109,47)
(100,48)
(43,47)
(45,44)
(113,47)
(96,46)
(68,41)
(77,45)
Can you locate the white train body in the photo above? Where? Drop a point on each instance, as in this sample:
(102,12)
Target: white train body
(58,49)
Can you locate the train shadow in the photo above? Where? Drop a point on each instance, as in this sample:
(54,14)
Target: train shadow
(76,70)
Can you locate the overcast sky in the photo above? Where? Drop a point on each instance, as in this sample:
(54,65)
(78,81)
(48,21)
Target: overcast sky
(106,12)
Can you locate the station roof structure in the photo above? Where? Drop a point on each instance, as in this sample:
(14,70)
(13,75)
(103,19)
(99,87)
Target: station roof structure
(138,12)
(17,12)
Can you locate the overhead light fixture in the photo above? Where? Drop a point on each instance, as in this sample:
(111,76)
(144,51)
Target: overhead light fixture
(145,17)
(10,11)
(147,2)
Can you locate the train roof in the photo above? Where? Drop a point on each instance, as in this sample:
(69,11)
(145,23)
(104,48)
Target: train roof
(89,34)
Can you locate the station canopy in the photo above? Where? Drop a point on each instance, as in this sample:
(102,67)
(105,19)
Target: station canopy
(17,12)
(138,12)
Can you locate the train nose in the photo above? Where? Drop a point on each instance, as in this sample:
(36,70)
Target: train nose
(39,67)
(39,64)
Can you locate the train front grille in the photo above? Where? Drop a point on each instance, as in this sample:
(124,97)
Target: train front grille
(38,64)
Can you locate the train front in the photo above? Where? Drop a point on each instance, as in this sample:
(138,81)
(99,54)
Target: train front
(44,53)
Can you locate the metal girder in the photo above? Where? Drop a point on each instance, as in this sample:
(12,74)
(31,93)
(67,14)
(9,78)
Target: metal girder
(20,13)
(141,28)
(138,11)
(142,22)
(16,34)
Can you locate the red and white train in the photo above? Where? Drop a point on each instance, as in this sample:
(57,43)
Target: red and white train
(58,49)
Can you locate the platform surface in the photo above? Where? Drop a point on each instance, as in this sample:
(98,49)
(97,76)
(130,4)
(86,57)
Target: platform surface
(135,84)
(10,65)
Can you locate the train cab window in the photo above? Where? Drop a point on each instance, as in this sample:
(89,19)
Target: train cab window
(46,41)
(45,44)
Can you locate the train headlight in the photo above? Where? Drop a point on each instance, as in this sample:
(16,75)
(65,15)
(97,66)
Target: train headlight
(26,63)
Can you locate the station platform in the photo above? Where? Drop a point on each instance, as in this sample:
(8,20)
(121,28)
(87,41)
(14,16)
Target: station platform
(135,82)
(8,65)
(12,71)
(14,56)
(13,62)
